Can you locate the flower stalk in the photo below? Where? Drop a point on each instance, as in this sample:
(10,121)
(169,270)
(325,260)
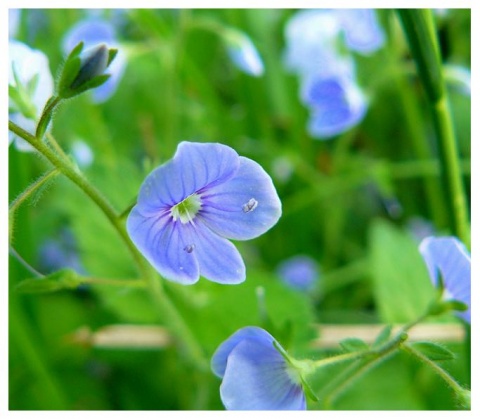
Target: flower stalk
(165,307)
(419,28)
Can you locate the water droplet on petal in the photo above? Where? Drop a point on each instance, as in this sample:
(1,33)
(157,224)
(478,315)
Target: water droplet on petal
(250,205)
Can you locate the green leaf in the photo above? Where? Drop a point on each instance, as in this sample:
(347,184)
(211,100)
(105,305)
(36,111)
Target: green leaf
(60,280)
(401,286)
(353,345)
(433,351)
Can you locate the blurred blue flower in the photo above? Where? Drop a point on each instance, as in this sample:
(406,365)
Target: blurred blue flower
(188,207)
(311,38)
(243,53)
(255,376)
(361,29)
(314,52)
(299,272)
(93,32)
(32,85)
(448,263)
(60,253)
(336,104)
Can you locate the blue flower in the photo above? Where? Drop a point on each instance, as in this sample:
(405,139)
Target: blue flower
(243,53)
(448,259)
(336,104)
(255,376)
(362,32)
(94,32)
(60,253)
(188,207)
(32,85)
(311,37)
(299,272)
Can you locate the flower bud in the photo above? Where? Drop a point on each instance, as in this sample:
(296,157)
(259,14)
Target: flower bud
(85,70)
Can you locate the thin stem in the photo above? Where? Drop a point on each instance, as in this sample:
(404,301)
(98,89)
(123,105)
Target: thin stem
(457,388)
(131,283)
(66,168)
(31,189)
(178,325)
(53,142)
(24,263)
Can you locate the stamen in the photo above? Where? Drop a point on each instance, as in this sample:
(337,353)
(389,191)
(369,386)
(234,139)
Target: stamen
(250,205)
(189,248)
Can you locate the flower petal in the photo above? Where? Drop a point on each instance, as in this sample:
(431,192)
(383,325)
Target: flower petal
(362,31)
(218,259)
(194,166)
(219,359)
(448,256)
(256,379)
(245,206)
(163,244)
(336,103)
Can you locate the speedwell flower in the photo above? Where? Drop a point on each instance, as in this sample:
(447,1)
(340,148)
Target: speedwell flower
(447,257)
(299,272)
(336,104)
(255,376)
(188,207)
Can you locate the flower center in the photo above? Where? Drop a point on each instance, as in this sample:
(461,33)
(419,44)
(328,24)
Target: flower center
(187,209)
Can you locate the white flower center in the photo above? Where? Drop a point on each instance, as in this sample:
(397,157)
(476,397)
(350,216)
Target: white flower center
(187,209)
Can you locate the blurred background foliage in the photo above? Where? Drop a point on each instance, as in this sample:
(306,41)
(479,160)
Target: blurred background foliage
(357,204)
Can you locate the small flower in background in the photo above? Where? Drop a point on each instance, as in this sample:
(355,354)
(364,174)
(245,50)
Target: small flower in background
(299,272)
(311,37)
(336,104)
(30,86)
(82,153)
(362,32)
(449,266)
(94,32)
(188,207)
(243,53)
(255,375)
(314,52)
(60,253)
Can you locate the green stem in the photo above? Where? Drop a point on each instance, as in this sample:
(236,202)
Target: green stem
(178,325)
(419,28)
(24,263)
(354,371)
(67,169)
(131,283)
(451,172)
(53,142)
(167,310)
(457,388)
(20,199)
